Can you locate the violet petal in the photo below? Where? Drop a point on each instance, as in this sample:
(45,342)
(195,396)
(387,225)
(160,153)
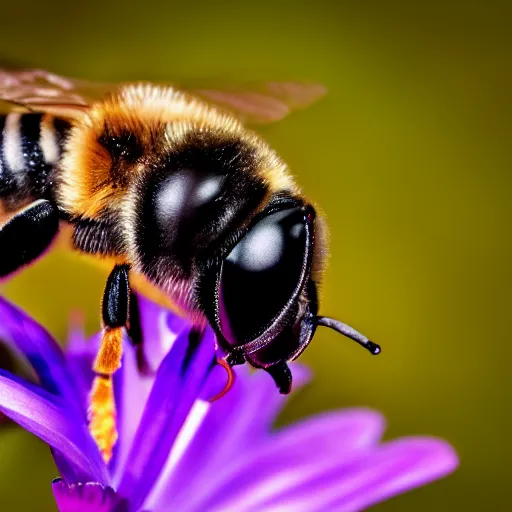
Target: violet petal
(353,485)
(49,417)
(132,389)
(80,355)
(159,330)
(248,410)
(294,455)
(161,404)
(395,468)
(174,392)
(86,497)
(69,471)
(33,342)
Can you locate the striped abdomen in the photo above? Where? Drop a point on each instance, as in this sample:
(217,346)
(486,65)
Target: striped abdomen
(30,147)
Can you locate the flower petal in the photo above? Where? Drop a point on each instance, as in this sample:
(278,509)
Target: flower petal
(49,417)
(160,328)
(80,360)
(246,412)
(87,497)
(34,343)
(250,409)
(132,388)
(395,468)
(178,382)
(290,457)
(80,354)
(352,485)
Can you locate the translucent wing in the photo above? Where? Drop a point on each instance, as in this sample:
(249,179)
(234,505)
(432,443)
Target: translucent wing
(256,102)
(264,102)
(42,91)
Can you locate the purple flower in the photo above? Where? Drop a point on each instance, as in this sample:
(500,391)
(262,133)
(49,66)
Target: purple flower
(177,451)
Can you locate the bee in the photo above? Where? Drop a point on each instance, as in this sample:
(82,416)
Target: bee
(182,200)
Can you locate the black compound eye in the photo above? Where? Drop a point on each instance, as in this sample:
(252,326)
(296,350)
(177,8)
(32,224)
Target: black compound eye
(261,274)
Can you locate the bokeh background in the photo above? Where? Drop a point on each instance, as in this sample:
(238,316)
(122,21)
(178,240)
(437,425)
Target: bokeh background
(409,156)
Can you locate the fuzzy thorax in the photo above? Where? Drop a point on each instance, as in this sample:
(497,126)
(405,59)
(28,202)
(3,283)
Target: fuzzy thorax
(156,121)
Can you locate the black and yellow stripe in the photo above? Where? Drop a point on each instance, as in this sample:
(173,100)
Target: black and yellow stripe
(30,147)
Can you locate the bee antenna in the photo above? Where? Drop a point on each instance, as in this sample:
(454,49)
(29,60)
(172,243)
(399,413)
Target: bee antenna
(349,332)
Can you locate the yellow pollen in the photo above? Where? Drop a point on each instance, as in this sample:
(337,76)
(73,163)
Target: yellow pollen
(102,416)
(102,407)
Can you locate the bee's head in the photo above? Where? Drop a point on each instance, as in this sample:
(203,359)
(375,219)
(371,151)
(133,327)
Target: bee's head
(265,304)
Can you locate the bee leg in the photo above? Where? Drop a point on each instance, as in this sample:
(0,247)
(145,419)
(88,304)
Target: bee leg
(25,236)
(235,359)
(102,409)
(282,376)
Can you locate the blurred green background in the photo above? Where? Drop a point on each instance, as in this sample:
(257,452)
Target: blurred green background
(409,156)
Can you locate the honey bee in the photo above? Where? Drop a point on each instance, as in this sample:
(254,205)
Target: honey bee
(182,200)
